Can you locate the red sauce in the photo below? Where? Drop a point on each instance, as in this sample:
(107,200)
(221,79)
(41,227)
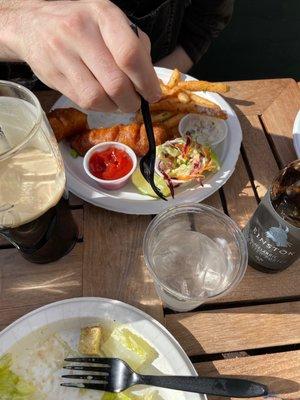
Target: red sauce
(110,164)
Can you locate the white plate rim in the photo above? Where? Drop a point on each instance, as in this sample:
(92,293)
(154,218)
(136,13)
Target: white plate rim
(153,206)
(175,344)
(296,134)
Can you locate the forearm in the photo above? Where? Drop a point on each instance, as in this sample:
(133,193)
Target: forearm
(10,14)
(177,59)
(7,9)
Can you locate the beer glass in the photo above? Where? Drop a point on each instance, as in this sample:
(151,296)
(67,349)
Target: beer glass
(34,216)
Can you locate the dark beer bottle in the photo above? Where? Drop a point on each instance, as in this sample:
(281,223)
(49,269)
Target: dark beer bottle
(273,233)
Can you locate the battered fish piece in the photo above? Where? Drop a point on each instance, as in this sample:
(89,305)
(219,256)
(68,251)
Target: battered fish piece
(133,135)
(67,122)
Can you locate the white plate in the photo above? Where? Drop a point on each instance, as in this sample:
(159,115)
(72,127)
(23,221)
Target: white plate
(128,200)
(72,314)
(296,134)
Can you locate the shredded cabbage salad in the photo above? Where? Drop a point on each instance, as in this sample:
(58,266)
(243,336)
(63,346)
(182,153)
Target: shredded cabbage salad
(185,160)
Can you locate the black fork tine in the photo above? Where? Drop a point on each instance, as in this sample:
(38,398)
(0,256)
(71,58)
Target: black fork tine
(101,369)
(148,172)
(95,386)
(86,377)
(150,179)
(91,360)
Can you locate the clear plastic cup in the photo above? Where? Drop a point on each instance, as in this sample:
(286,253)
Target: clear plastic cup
(194,253)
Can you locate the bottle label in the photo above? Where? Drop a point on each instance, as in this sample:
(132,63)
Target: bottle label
(272,242)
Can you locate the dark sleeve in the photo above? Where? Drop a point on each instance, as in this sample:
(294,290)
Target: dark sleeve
(203,21)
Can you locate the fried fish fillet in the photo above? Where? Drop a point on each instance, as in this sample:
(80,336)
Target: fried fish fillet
(133,135)
(67,122)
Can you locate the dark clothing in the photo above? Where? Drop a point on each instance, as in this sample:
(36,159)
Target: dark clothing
(169,23)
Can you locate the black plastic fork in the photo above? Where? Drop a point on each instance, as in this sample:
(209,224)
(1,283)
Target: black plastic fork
(114,375)
(147,163)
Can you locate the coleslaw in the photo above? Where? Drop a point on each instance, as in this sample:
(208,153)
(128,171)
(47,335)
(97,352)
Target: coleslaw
(185,160)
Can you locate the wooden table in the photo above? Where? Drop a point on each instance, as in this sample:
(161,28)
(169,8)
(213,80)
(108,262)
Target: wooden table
(255,330)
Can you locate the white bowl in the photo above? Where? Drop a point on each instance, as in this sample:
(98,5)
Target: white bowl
(188,122)
(112,184)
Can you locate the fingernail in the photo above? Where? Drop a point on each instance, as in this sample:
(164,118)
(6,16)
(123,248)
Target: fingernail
(156,97)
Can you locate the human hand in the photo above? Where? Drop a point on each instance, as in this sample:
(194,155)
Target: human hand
(86,49)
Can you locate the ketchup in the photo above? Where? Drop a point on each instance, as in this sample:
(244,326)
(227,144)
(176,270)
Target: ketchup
(110,164)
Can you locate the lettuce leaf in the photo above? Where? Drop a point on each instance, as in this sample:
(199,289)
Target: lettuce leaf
(12,386)
(130,347)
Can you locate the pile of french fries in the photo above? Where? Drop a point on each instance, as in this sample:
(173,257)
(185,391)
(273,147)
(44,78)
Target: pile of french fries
(179,99)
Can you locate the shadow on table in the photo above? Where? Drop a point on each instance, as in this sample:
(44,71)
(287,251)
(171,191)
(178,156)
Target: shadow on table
(234,102)
(278,387)
(252,172)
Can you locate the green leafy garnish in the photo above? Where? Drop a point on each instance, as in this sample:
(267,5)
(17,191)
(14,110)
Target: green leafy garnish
(130,347)
(12,386)
(73,153)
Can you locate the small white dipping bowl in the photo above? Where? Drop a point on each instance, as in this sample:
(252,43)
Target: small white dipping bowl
(112,184)
(190,122)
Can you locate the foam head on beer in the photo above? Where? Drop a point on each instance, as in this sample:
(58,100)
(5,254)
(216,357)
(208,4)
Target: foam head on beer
(32,178)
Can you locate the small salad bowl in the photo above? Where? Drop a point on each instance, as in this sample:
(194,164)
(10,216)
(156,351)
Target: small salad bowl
(203,129)
(110,184)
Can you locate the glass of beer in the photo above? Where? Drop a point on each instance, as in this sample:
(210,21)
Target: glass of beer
(34,216)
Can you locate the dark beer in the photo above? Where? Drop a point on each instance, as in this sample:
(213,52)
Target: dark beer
(273,233)
(48,237)
(33,215)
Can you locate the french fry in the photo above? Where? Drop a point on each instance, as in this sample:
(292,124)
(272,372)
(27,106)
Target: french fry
(166,91)
(174,79)
(156,118)
(161,117)
(195,86)
(173,105)
(173,121)
(202,102)
(183,97)
(138,117)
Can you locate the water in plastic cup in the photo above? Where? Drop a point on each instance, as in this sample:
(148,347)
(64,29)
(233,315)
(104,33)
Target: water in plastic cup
(194,253)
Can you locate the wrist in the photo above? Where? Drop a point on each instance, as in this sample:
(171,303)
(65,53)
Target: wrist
(177,59)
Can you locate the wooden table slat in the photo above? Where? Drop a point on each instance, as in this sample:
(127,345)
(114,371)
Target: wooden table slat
(239,195)
(214,201)
(75,201)
(4,242)
(279,119)
(279,371)
(78,217)
(113,264)
(23,283)
(259,154)
(236,329)
(257,286)
(253,97)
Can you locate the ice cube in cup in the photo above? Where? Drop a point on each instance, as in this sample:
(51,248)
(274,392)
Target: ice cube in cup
(194,253)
